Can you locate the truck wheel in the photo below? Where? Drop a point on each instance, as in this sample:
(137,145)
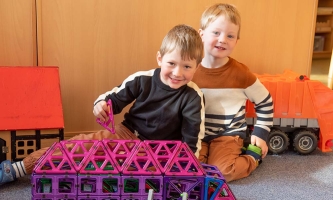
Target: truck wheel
(305,142)
(278,141)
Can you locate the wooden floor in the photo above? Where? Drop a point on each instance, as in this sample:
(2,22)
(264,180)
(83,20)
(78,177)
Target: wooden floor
(319,70)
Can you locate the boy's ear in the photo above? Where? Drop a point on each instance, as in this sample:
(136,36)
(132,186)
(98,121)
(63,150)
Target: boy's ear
(200,32)
(159,58)
(197,67)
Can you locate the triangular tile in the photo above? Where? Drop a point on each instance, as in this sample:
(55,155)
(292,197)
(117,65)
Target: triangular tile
(99,162)
(55,161)
(141,162)
(163,151)
(120,150)
(78,150)
(184,163)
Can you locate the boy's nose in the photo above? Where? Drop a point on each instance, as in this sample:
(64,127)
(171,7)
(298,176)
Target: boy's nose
(177,71)
(222,39)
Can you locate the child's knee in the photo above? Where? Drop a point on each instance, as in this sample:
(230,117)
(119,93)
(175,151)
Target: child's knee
(203,154)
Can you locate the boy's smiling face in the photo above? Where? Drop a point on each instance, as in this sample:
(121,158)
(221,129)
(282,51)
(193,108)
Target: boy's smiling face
(175,72)
(220,37)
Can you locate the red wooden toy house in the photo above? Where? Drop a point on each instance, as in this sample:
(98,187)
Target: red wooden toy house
(31,115)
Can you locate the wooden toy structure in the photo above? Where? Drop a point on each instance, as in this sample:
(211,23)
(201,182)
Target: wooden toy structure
(31,114)
(127,170)
(303,113)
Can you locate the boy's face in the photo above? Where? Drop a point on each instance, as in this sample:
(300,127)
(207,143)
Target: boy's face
(219,38)
(175,72)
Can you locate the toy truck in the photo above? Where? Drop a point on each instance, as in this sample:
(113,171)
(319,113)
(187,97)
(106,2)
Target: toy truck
(303,113)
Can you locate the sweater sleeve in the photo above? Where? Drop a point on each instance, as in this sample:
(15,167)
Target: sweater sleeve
(263,105)
(193,127)
(126,93)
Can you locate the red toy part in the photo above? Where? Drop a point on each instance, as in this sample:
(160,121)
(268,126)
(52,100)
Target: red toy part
(30,98)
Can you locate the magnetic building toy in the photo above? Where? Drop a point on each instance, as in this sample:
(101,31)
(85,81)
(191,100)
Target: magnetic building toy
(127,170)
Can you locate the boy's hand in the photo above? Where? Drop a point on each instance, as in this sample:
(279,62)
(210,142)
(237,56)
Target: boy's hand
(260,143)
(101,111)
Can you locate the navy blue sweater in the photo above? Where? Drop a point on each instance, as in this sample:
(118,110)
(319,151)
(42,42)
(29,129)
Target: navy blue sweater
(160,112)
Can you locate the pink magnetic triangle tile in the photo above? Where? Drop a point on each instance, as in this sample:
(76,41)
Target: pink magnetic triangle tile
(184,163)
(227,194)
(141,162)
(163,151)
(99,162)
(78,150)
(55,162)
(185,184)
(120,150)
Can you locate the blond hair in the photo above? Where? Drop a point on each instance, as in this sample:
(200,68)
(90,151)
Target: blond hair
(220,9)
(186,39)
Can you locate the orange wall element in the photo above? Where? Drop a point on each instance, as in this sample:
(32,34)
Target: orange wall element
(30,98)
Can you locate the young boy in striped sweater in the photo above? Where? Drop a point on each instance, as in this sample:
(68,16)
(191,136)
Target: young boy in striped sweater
(227,84)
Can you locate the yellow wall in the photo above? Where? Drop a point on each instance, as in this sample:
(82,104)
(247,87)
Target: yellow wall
(98,43)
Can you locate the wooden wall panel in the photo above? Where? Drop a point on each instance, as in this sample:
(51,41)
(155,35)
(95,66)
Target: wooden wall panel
(17,33)
(98,43)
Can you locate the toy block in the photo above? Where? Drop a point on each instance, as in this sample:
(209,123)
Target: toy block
(163,151)
(140,198)
(42,157)
(120,150)
(212,171)
(175,186)
(140,185)
(65,197)
(53,185)
(106,124)
(111,185)
(78,151)
(42,198)
(141,162)
(99,198)
(55,197)
(99,185)
(55,161)
(184,163)
(99,162)
(216,188)
(215,184)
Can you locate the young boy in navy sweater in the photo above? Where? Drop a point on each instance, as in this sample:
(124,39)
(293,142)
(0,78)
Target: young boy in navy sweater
(166,104)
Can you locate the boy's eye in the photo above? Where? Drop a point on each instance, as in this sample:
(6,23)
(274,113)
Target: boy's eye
(216,33)
(231,36)
(188,67)
(171,63)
